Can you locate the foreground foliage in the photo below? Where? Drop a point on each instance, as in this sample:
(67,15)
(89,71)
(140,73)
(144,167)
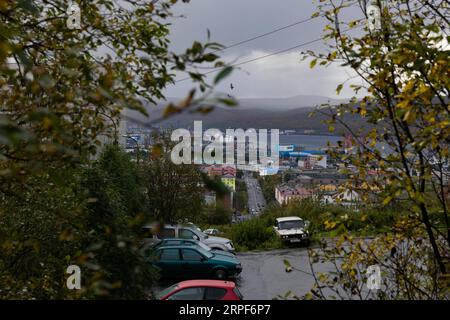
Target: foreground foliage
(63,93)
(403,151)
(87,217)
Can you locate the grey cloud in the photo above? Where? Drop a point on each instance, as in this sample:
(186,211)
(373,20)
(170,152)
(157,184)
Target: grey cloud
(231,21)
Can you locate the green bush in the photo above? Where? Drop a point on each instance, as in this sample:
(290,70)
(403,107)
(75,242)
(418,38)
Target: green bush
(253,234)
(219,216)
(214,215)
(258,233)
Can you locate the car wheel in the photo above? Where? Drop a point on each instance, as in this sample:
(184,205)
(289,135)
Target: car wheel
(220,274)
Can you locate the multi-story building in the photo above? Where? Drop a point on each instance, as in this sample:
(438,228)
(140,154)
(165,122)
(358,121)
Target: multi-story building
(317,178)
(230,181)
(285,194)
(227,174)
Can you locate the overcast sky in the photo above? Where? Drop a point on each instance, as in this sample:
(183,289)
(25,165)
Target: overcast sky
(231,21)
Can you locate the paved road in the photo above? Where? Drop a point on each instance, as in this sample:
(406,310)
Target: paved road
(264,276)
(256,201)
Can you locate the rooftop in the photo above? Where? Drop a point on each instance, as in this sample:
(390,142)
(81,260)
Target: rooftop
(206,283)
(289,219)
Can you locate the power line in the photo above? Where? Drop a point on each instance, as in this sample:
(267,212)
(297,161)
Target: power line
(267,34)
(258,58)
(264,56)
(274,31)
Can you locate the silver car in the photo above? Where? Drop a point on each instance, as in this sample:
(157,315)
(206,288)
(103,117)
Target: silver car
(187,232)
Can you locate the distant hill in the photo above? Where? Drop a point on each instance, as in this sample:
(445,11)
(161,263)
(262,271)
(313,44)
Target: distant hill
(291,113)
(303,101)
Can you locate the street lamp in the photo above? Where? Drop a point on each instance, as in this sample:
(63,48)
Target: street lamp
(137,146)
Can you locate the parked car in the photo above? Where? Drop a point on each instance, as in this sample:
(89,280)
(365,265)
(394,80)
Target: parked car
(201,290)
(292,230)
(186,232)
(188,242)
(212,232)
(193,262)
(192,225)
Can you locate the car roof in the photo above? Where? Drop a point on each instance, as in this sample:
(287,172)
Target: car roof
(179,239)
(177,247)
(289,219)
(155,225)
(206,283)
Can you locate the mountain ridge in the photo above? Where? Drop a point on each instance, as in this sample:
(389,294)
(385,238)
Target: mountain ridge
(285,114)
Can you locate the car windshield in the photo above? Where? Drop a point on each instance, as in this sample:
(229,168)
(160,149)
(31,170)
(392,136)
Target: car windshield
(166,291)
(238,293)
(204,246)
(206,253)
(199,233)
(293,224)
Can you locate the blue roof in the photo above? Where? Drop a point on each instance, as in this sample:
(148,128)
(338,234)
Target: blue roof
(302,153)
(314,151)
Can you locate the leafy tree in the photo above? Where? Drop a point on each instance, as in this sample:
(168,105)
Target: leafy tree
(215,184)
(62,88)
(268,185)
(115,216)
(42,228)
(404,67)
(217,215)
(173,192)
(89,217)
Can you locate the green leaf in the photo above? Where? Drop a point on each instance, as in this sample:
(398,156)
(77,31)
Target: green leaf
(225,72)
(387,200)
(228,102)
(210,57)
(313,63)
(196,47)
(29,6)
(287,265)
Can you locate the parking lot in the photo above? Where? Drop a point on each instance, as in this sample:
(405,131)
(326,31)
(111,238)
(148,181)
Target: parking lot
(264,276)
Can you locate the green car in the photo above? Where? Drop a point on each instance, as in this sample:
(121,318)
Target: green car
(190,262)
(189,242)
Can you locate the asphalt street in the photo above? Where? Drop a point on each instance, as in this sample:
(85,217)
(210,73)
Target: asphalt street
(264,276)
(256,201)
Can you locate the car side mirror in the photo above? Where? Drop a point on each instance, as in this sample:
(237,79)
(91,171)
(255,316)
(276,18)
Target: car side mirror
(307,223)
